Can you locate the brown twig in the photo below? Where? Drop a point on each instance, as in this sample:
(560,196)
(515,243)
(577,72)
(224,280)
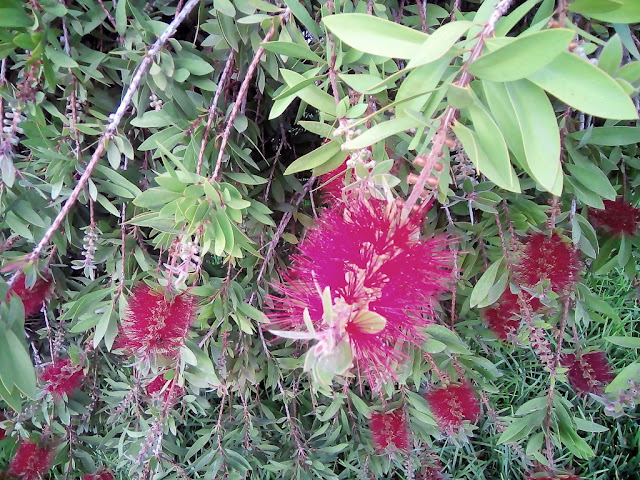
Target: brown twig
(108,134)
(224,77)
(447,119)
(244,88)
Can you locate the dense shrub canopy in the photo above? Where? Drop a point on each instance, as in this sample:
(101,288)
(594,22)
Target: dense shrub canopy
(298,239)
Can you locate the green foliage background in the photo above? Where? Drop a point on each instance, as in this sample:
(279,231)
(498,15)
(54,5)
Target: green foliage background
(220,145)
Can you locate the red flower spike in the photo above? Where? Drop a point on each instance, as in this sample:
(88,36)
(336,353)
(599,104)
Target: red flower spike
(32,298)
(389,431)
(588,372)
(550,258)
(332,183)
(371,259)
(61,378)
(453,404)
(502,319)
(100,476)
(617,218)
(31,461)
(154,325)
(169,395)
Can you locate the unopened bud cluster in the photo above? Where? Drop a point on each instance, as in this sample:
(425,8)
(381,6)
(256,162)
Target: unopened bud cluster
(155,102)
(618,402)
(11,129)
(187,251)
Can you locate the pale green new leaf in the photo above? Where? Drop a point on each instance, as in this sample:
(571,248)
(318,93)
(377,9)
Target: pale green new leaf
(439,43)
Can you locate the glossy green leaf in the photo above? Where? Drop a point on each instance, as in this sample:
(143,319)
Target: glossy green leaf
(539,132)
(609,136)
(311,94)
(24,375)
(627,342)
(439,43)
(380,132)
(485,283)
(291,49)
(612,11)
(314,159)
(611,55)
(522,56)
(585,87)
(375,35)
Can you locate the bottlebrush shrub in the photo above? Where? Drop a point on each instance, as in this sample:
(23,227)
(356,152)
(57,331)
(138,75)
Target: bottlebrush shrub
(166,391)
(32,298)
(389,431)
(61,377)
(31,461)
(550,258)
(155,325)
(617,218)
(452,405)
(373,261)
(588,372)
(503,319)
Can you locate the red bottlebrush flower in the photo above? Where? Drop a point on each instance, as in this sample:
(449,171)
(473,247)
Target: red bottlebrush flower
(100,476)
(32,298)
(61,378)
(453,404)
(332,183)
(31,461)
(3,433)
(371,259)
(550,258)
(154,325)
(588,372)
(617,218)
(389,431)
(169,395)
(502,318)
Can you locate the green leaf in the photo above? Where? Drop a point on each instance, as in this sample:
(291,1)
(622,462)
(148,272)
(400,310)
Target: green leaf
(487,148)
(448,337)
(24,375)
(627,342)
(314,158)
(424,80)
(12,398)
(192,62)
(609,136)
(539,132)
(121,17)
(153,118)
(585,87)
(522,56)
(621,382)
(311,94)
(612,11)
(225,7)
(375,35)
(291,49)
(380,132)
(588,426)
(611,55)
(439,43)
(485,283)
(303,16)
(60,59)
(363,82)
(14,18)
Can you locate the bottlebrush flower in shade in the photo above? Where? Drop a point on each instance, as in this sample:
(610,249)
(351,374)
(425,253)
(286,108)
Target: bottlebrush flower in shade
(552,258)
(371,260)
(503,318)
(169,395)
(31,461)
(32,298)
(61,378)
(618,217)
(3,433)
(155,326)
(453,404)
(332,183)
(100,476)
(389,431)
(588,372)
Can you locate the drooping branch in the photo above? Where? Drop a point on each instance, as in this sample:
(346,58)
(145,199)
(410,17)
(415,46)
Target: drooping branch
(109,133)
(242,93)
(449,115)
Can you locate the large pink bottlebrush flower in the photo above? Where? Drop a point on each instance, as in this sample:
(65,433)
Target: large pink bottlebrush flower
(61,378)
(32,298)
(453,404)
(370,258)
(617,218)
(502,318)
(389,431)
(155,325)
(31,461)
(588,372)
(552,258)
